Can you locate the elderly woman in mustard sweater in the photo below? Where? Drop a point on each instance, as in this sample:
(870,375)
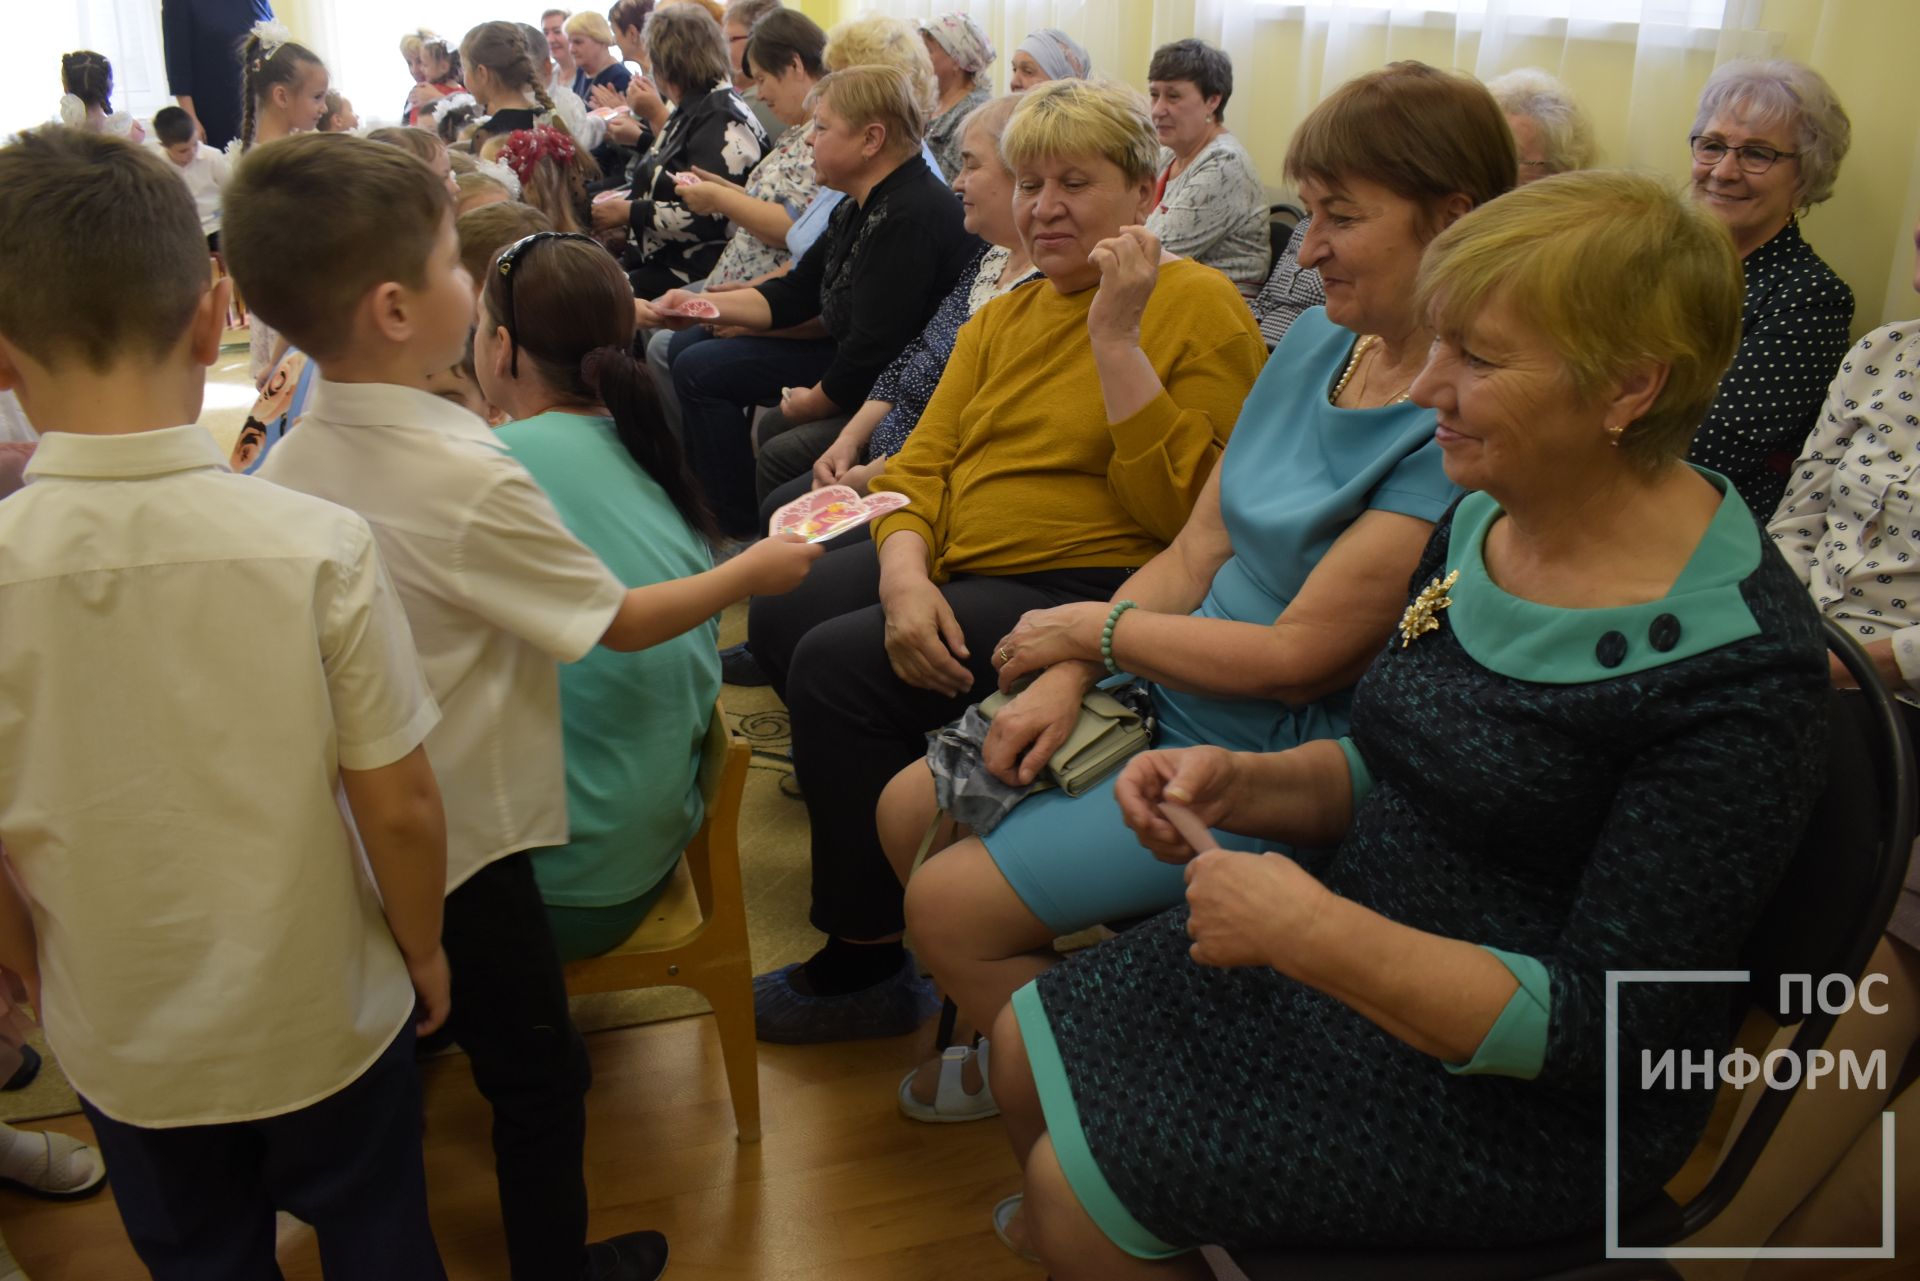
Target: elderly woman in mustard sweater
(1074,429)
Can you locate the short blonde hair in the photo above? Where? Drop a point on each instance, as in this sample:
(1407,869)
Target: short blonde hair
(1672,291)
(875,94)
(591,25)
(1084,117)
(874,39)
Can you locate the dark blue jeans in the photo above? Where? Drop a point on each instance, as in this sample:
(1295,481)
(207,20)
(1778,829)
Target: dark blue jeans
(719,381)
(198,1201)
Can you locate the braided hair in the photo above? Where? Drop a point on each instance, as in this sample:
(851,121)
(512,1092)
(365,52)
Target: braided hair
(501,49)
(261,68)
(88,76)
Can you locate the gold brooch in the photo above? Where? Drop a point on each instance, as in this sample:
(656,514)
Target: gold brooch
(1419,618)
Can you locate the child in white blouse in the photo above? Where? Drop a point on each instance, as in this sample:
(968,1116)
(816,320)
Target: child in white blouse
(228,990)
(349,246)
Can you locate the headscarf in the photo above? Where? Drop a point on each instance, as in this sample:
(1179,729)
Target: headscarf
(1058,54)
(963,40)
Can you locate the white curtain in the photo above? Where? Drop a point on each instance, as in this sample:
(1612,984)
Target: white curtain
(126,31)
(1637,65)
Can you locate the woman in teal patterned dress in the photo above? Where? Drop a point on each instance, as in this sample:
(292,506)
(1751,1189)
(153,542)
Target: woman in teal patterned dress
(1590,746)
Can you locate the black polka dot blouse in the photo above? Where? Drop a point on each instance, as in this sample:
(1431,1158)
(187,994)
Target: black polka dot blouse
(1793,334)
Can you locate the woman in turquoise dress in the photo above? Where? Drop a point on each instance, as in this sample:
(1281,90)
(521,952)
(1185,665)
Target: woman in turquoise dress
(589,430)
(1590,747)
(1253,625)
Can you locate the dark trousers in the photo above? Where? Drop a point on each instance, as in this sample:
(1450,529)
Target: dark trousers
(198,1200)
(856,724)
(787,454)
(718,383)
(510,1016)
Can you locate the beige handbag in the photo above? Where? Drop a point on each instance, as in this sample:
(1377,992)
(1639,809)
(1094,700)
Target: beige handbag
(1107,732)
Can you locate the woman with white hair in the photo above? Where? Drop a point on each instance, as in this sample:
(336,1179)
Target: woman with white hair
(1048,54)
(1767,143)
(1550,129)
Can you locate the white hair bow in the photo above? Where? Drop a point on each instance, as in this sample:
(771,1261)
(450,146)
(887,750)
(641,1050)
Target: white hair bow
(271,36)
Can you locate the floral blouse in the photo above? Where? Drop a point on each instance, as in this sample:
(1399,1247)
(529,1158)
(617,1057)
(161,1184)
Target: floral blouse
(715,131)
(1215,213)
(786,175)
(943,132)
(909,382)
(1850,522)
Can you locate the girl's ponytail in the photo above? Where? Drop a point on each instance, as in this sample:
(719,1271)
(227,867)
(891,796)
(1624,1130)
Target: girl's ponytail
(626,389)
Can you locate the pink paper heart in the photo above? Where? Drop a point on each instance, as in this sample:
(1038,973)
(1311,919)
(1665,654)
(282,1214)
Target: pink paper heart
(831,511)
(699,308)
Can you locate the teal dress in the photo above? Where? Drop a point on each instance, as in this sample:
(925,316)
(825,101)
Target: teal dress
(1580,791)
(1297,472)
(631,724)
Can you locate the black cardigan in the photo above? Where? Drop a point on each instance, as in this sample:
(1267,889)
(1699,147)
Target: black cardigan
(876,276)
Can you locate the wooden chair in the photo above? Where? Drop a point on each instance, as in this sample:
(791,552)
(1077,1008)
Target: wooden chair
(696,935)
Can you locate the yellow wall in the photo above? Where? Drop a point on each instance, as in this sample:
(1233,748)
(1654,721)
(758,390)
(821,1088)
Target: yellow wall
(1641,97)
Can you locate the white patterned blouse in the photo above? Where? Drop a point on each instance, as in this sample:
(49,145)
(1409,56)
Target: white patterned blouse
(1849,523)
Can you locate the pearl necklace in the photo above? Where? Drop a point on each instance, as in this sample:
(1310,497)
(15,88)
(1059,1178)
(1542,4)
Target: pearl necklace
(1360,349)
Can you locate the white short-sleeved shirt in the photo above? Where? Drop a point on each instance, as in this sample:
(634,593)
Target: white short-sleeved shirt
(189,657)
(205,175)
(497,590)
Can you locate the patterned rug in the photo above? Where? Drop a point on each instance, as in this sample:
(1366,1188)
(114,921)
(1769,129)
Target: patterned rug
(773,866)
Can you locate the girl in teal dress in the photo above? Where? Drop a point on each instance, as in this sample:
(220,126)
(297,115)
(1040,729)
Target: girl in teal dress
(588,429)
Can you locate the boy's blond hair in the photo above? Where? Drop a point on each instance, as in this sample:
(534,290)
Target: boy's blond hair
(487,230)
(314,221)
(104,254)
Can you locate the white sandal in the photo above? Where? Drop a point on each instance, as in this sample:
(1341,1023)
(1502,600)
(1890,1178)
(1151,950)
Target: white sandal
(1003,1215)
(65,1170)
(10,1269)
(951,1102)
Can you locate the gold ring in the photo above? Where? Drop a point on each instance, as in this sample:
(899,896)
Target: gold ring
(1006,655)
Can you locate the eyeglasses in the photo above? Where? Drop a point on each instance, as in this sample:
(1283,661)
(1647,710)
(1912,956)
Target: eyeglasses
(1751,159)
(1542,167)
(510,256)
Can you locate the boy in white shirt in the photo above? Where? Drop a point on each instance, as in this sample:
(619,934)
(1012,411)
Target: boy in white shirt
(203,169)
(347,246)
(200,936)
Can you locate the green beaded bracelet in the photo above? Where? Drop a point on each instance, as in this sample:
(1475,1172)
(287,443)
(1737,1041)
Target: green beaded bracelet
(1106,634)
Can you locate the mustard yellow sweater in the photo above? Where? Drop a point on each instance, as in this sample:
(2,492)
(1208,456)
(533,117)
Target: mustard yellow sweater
(1014,467)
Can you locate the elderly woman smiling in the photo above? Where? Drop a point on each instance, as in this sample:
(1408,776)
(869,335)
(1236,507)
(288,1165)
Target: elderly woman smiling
(1278,591)
(1590,747)
(1074,428)
(1767,145)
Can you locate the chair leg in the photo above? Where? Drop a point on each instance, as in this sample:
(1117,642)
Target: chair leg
(732,1001)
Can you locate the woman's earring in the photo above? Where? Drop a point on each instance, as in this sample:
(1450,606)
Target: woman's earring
(1614,434)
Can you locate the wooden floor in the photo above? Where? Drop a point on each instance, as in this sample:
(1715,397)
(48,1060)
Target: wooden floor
(841,1188)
